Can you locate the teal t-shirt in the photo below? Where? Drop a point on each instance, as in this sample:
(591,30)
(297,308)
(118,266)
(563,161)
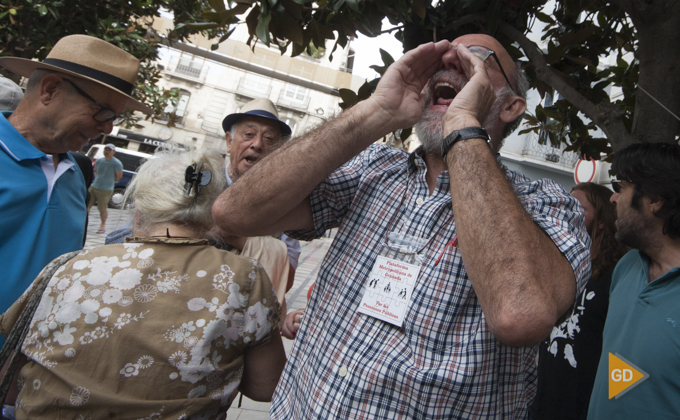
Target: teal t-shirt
(106,173)
(643,327)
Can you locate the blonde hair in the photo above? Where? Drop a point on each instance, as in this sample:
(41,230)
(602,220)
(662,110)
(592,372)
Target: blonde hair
(157,194)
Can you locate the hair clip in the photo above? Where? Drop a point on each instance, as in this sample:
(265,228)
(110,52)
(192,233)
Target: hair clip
(196,179)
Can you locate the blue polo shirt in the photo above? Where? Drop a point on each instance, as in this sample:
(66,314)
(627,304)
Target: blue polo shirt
(643,326)
(34,231)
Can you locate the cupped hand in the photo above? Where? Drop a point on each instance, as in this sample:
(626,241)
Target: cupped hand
(472,104)
(398,95)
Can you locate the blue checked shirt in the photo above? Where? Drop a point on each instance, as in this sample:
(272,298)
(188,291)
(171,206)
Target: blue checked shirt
(443,362)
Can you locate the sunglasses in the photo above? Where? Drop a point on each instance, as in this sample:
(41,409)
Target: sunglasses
(616,184)
(104,114)
(483,54)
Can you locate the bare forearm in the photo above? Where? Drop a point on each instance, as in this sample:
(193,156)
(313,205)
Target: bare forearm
(274,187)
(523,282)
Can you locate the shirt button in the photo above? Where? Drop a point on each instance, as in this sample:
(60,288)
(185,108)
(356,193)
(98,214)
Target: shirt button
(419,201)
(342,371)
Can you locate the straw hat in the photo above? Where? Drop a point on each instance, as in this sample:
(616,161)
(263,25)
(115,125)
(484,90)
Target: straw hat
(256,108)
(90,58)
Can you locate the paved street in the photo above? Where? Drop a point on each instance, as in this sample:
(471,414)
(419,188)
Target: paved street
(308,268)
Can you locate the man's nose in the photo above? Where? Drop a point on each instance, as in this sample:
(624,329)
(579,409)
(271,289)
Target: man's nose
(105,127)
(450,60)
(257,142)
(614,198)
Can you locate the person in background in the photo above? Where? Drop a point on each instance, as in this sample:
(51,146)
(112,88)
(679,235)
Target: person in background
(85,165)
(75,94)
(107,172)
(10,94)
(250,135)
(165,325)
(567,360)
(642,328)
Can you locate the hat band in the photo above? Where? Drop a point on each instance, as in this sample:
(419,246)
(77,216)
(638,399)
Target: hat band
(261,113)
(106,78)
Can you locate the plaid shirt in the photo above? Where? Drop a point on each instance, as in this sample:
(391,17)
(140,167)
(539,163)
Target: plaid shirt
(444,361)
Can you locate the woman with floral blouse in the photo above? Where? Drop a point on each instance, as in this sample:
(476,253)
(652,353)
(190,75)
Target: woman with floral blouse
(165,325)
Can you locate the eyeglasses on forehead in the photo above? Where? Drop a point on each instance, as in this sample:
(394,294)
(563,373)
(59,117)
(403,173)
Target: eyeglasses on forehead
(483,53)
(104,114)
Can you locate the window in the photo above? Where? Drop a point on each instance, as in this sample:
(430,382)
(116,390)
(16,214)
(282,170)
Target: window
(190,65)
(350,61)
(291,123)
(295,93)
(302,70)
(264,58)
(256,84)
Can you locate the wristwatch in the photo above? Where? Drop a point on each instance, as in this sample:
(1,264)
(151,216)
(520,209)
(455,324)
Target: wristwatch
(464,134)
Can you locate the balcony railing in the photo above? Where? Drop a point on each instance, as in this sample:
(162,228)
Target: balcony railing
(188,70)
(548,152)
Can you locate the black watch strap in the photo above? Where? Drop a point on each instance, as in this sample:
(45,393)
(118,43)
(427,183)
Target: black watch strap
(464,134)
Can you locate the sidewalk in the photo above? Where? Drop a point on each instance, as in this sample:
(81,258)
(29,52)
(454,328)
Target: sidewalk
(308,268)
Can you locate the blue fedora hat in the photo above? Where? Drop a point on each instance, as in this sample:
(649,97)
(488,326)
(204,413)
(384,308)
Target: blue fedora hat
(256,108)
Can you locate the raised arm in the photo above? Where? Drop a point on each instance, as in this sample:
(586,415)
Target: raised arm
(272,196)
(523,282)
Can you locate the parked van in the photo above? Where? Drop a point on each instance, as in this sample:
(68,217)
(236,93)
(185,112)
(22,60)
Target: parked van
(131,161)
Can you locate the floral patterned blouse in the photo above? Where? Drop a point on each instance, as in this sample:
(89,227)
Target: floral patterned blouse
(154,328)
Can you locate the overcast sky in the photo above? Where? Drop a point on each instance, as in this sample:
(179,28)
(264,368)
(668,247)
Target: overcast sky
(368,52)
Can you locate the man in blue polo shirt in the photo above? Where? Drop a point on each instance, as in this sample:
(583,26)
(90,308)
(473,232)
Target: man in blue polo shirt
(643,322)
(75,94)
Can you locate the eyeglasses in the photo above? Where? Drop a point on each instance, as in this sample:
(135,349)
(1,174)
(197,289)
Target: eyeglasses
(104,114)
(483,54)
(616,184)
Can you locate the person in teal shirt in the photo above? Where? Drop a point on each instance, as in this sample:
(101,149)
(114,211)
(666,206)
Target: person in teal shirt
(107,172)
(643,321)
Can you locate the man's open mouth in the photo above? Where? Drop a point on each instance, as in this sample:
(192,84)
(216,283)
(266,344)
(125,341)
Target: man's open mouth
(443,93)
(251,159)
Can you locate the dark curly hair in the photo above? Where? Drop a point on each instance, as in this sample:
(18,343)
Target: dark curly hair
(654,169)
(610,250)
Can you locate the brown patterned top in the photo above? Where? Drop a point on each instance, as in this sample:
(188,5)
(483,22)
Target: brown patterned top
(152,328)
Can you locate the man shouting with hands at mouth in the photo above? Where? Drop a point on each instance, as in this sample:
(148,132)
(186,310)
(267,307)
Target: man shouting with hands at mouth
(447,268)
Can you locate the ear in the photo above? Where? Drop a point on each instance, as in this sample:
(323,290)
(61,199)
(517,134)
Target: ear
(50,86)
(655,205)
(227,136)
(513,107)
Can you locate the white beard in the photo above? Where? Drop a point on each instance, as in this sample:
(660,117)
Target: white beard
(429,128)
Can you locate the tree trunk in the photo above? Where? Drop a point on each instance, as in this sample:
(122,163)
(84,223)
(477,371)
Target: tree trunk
(658,27)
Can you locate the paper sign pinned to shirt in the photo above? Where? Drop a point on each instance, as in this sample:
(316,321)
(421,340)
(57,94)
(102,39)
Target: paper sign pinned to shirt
(388,290)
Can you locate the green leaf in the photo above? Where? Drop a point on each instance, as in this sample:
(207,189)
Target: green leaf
(528,130)
(217,5)
(418,7)
(202,26)
(349,98)
(262,30)
(578,60)
(291,30)
(386,58)
(353,4)
(42,9)
(544,18)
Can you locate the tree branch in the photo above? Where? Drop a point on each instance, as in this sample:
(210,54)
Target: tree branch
(607,116)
